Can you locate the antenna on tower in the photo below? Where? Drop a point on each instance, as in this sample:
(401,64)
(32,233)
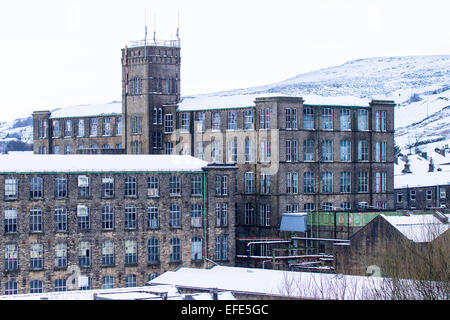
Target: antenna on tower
(145,43)
(154,28)
(178,26)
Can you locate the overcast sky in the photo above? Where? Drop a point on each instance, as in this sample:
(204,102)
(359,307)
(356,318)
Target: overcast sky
(63,53)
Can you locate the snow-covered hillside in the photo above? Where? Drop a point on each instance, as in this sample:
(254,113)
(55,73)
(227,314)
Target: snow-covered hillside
(419,85)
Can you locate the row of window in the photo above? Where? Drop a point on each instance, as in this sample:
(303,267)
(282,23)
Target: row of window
(428,195)
(130,212)
(71,127)
(68,149)
(36,186)
(156,85)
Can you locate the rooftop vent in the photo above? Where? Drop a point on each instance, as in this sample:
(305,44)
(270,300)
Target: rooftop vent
(442,217)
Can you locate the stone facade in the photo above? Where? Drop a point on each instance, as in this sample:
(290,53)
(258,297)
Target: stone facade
(423,198)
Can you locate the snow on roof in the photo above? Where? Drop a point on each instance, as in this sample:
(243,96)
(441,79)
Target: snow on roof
(418,228)
(88,110)
(30,163)
(279,283)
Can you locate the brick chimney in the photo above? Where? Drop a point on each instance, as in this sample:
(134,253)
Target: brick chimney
(431,166)
(407,168)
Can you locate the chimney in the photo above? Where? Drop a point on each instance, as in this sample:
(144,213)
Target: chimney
(424,155)
(407,168)
(431,166)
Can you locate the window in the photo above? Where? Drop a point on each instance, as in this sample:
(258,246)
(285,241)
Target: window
(345,119)
(196,248)
(11,256)
(130,252)
(83,217)
(107,282)
(68,128)
(345,182)
(412,195)
(249,150)
(292,208)
(108,253)
(83,186)
(380,182)
(221,248)
(36,220)
(380,121)
(249,214)
(345,205)
(308,182)
(216,148)
(168,123)
(60,285)
(174,185)
(249,182)
(60,219)
(291,118)
(196,215)
(264,215)
(153,217)
(130,186)
(60,187)
(221,214)
(60,255)
(327,150)
(157,140)
(215,120)
(107,126)
(118,126)
(291,182)
(42,150)
(199,122)
(327,119)
(56,131)
(363,120)
(36,188)
(84,283)
(232,150)
(264,151)
(221,185)
(93,127)
(196,185)
(308,150)
(185,121)
(157,116)
(380,151)
(11,188)
(363,181)
(309,206)
(327,206)
(168,148)
(42,129)
(153,186)
(345,150)
(36,256)
(107,187)
(232,120)
(153,250)
(174,216)
(11,287)
(264,183)
(200,150)
(442,193)
(36,286)
(264,118)
(327,182)
(175,254)
(80,126)
(308,118)
(56,150)
(363,150)
(136,125)
(10,220)
(68,149)
(84,254)
(130,217)
(248,119)
(130,281)
(107,217)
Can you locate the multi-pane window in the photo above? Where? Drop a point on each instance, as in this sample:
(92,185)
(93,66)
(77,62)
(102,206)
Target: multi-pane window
(327,206)
(153,186)
(11,287)
(249,182)
(56,150)
(291,118)
(36,286)
(60,187)
(412,195)
(36,219)
(130,217)
(221,185)
(345,150)
(221,214)
(380,121)
(175,254)
(399,197)
(345,181)
(264,151)
(291,208)
(107,187)
(232,150)
(185,123)
(168,148)
(60,219)
(199,151)
(153,217)
(42,150)
(249,146)
(264,118)
(107,253)
(60,255)
(174,216)
(363,120)
(345,119)
(68,128)
(36,256)
(327,119)
(174,185)
(264,183)
(380,151)
(42,129)
(196,185)
(157,140)
(130,186)
(130,252)
(93,127)
(136,125)
(248,119)
(196,215)
(200,121)
(83,186)
(308,182)
(291,182)
(363,181)
(11,256)
(80,127)
(345,206)
(264,215)
(380,182)
(84,254)
(196,248)
(215,121)
(327,150)
(118,126)
(83,217)
(232,120)
(68,149)
(216,148)
(60,285)
(309,206)
(308,150)
(108,282)
(36,187)
(291,150)
(153,250)
(221,248)
(429,194)
(56,129)
(107,217)
(308,118)
(11,188)
(363,150)
(10,220)
(130,280)
(107,126)
(168,123)
(327,182)
(157,116)
(249,214)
